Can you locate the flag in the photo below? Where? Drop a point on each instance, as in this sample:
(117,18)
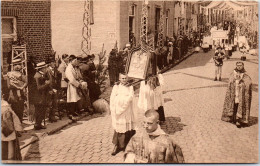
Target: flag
(115,47)
(91,12)
(182,8)
(207,11)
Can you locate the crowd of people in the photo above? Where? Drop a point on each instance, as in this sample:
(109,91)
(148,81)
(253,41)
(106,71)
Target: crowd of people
(72,78)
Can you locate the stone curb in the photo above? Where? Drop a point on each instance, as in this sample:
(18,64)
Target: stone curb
(53,131)
(178,62)
(65,125)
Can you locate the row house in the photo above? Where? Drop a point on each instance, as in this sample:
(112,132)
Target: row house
(58,25)
(112,21)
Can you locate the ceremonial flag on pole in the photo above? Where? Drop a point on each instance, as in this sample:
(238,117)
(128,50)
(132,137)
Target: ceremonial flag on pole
(182,7)
(91,12)
(207,11)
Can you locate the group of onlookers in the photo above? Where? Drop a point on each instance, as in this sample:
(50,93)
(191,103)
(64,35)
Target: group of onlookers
(72,79)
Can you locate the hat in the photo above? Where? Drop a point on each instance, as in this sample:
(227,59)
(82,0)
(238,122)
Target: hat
(72,57)
(18,60)
(85,59)
(17,67)
(88,56)
(50,59)
(40,65)
(64,56)
(79,58)
(113,52)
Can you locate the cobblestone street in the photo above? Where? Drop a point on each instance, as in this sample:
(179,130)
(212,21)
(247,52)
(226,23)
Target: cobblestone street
(193,108)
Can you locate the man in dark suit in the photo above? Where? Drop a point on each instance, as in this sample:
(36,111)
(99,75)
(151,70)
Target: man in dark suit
(41,93)
(52,74)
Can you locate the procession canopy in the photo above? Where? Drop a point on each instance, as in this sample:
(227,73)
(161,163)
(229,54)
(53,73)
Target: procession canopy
(230,4)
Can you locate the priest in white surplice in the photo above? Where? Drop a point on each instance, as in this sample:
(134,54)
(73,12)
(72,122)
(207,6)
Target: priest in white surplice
(122,113)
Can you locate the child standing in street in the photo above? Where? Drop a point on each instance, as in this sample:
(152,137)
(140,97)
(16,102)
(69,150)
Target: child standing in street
(243,51)
(218,59)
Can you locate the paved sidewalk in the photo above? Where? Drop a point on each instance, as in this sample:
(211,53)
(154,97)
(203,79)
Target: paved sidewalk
(193,108)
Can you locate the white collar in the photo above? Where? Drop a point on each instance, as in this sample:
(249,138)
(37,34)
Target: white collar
(157,132)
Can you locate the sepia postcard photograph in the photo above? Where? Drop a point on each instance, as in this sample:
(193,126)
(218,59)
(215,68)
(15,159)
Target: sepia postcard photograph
(120,81)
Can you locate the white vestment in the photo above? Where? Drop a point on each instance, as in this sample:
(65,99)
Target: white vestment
(121,107)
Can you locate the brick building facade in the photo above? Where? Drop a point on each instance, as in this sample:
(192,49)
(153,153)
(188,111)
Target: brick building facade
(29,21)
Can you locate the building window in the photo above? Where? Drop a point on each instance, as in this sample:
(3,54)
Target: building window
(9,27)
(9,35)
(131,14)
(157,23)
(167,21)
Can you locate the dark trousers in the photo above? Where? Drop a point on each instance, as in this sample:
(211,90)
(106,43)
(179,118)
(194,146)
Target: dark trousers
(40,111)
(235,112)
(121,139)
(165,63)
(84,102)
(113,76)
(73,107)
(53,105)
(160,62)
(160,111)
(18,108)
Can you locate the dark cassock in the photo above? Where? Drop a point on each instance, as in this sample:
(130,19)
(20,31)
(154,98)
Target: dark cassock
(113,68)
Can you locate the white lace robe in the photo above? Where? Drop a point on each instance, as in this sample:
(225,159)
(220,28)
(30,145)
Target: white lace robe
(151,99)
(121,107)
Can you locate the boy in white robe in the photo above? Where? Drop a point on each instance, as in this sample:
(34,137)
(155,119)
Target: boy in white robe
(122,114)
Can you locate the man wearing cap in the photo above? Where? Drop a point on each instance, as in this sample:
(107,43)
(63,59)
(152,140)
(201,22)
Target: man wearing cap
(89,76)
(73,93)
(84,70)
(218,59)
(122,114)
(17,83)
(238,98)
(52,74)
(41,94)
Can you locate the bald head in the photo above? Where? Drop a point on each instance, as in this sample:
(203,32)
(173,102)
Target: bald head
(151,121)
